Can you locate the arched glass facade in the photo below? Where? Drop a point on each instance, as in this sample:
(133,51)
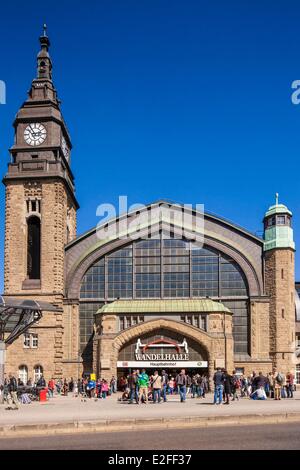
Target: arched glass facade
(165,268)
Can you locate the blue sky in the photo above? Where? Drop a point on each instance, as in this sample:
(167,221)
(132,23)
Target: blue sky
(186,100)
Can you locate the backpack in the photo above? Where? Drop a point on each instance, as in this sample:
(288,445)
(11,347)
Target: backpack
(279,378)
(236,382)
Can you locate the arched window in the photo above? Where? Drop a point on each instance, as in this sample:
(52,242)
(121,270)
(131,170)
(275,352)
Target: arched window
(33,248)
(38,372)
(166,268)
(23,374)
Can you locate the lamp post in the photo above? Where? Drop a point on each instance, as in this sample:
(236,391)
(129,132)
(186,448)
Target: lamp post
(2,361)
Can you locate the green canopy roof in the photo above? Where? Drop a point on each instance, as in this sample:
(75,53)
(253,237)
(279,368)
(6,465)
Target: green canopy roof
(164,306)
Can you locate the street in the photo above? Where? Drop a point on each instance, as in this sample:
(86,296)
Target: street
(262,437)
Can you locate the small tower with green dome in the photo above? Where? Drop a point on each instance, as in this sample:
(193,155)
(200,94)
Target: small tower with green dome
(279,258)
(278,232)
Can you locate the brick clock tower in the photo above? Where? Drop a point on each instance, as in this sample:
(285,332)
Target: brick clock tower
(280,284)
(40,204)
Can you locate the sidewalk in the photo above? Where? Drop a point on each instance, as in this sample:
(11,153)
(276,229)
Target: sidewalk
(68,414)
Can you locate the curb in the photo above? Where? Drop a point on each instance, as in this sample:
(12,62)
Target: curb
(73,427)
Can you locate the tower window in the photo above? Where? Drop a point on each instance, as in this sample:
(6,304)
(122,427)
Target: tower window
(282,313)
(282,274)
(280,220)
(34,156)
(33,248)
(33,205)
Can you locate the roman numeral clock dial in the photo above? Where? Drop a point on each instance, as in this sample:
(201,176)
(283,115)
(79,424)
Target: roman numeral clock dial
(35,134)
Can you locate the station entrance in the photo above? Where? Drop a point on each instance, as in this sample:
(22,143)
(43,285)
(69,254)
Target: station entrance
(162,350)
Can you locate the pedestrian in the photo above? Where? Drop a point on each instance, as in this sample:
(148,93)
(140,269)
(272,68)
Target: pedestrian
(41,383)
(156,384)
(171,385)
(227,382)
(182,383)
(143,382)
(51,386)
(164,378)
(12,389)
(75,389)
(219,384)
(71,385)
(290,384)
(194,385)
(59,386)
(104,388)
(204,385)
(277,384)
(270,382)
(113,385)
(283,392)
(91,387)
(235,385)
(98,389)
(132,385)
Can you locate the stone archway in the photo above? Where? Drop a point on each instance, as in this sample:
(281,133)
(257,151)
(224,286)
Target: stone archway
(196,334)
(214,345)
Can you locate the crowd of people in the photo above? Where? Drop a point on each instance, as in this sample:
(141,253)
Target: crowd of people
(15,391)
(138,387)
(233,386)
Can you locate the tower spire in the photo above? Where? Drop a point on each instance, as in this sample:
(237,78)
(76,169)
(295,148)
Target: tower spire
(43,58)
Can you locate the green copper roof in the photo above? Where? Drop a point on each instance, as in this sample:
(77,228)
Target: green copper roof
(277,208)
(163,306)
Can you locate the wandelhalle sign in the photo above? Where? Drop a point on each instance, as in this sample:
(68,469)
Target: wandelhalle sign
(145,358)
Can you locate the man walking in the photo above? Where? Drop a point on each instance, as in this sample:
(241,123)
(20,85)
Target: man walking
(132,383)
(156,383)
(143,382)
(12,393)
(182,382)
(219,384)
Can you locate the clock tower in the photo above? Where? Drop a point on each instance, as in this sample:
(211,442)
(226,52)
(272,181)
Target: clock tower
(40,193)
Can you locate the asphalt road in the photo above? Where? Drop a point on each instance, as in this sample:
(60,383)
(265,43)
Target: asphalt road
(264,437)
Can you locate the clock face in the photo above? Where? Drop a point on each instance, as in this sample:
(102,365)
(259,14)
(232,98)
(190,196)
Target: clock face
(65,147)
(35,134)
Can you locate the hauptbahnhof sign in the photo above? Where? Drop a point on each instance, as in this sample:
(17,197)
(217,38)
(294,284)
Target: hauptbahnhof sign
(162,364)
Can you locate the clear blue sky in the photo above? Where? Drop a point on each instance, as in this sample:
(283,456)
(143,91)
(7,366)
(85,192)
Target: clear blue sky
(187,100)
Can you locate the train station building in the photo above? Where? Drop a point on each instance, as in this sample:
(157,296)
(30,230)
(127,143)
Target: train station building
(153,296)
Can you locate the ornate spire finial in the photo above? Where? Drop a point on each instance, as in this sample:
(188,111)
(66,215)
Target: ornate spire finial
(277,199)
(44,61)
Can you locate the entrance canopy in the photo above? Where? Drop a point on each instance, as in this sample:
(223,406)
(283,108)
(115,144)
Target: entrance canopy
(17,315)
(164,306)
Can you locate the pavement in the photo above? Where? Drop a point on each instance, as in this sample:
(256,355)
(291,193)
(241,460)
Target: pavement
(256,437)
(70,415)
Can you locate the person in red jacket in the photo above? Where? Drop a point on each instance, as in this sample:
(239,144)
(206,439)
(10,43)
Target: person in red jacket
(51,386)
